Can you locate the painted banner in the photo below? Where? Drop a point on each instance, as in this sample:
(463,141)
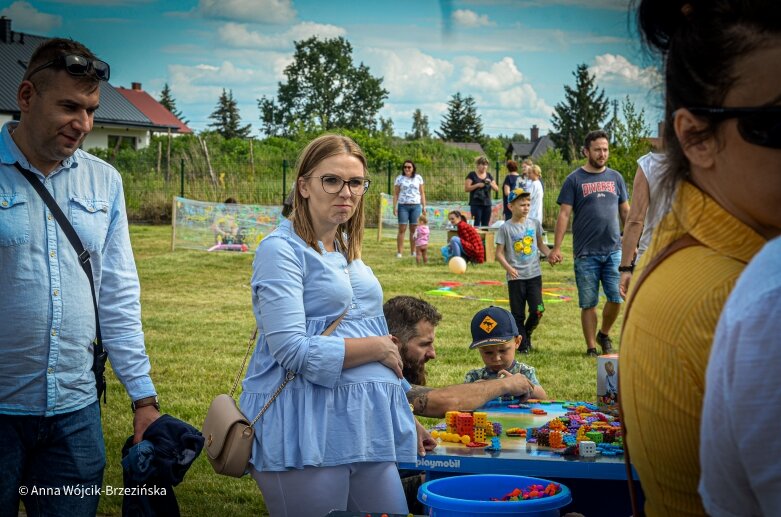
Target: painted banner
(201,225)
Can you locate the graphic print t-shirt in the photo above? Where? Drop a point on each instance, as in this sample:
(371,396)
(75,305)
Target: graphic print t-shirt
(520,247)
(594,198)
(409,189)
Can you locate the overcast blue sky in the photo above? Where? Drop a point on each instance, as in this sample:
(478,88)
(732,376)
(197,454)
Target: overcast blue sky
(512,56)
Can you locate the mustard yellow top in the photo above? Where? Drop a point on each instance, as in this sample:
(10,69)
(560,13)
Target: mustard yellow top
(666,343)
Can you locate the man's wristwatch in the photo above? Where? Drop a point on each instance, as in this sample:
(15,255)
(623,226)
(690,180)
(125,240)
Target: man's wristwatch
(626,269)
(146,401)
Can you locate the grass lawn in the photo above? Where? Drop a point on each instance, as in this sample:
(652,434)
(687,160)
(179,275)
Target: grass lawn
(197,317)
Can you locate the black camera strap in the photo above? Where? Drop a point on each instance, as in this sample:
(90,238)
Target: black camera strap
(99,354)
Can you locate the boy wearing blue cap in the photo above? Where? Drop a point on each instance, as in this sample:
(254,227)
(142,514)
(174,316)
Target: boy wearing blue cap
(518,245)
(495,335)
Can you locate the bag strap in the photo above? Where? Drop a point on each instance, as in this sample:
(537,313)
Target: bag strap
(682,242)
(83,254)
(289,376)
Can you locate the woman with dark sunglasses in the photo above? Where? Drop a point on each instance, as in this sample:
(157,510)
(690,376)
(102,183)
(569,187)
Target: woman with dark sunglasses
(723,175)
(409,201)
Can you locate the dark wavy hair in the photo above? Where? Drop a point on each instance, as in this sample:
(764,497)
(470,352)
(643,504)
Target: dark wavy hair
(414,168)
(700,42)
(403,314)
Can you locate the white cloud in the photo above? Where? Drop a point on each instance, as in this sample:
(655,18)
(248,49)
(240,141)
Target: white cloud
(102,3)
(28,17)
(505,100)
(617,68)
(478,75)
(467,18)
(611,5)
(204,82)
(408,72)
(239,36)
(253,11)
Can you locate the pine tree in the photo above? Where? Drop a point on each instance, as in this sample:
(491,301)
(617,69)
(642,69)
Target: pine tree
(227,121)
(461,123)
(169,103)
(584,109)
(420,128)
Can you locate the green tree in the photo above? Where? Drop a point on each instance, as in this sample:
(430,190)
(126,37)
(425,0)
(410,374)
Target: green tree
(494,150)
(630,140)
(169,103)
(227,121)
(420,128)
(323,90)
(461,123)
(584,109)
(386,127)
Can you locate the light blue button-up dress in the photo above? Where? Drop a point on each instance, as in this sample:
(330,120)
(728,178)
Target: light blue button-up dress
(326,416)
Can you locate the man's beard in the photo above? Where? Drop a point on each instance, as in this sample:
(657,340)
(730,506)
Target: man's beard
(594,164)
(415,373)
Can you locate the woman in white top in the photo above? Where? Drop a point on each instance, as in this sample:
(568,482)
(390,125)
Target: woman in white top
(648,208)
(409,201)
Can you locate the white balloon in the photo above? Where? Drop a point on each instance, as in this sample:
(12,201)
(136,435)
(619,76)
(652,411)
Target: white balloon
(457,265)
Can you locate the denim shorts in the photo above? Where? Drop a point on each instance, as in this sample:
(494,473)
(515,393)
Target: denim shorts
(589,270)
(408,214)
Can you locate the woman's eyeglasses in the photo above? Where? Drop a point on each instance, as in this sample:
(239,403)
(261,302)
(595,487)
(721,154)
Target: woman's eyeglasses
(335,184)
(759,125)
(77,65)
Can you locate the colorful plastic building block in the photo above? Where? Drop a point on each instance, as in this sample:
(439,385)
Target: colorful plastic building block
(588,449)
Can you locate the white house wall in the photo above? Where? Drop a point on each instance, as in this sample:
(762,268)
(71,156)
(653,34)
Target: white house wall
(99,136)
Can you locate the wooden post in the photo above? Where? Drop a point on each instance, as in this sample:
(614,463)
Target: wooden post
(159,154)
(173,225)
(208,160)
(251,158)
(168,157)
(379,221)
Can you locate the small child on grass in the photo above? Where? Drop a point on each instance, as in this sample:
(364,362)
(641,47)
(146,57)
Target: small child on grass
(495,335)
(518,245)
(421,235)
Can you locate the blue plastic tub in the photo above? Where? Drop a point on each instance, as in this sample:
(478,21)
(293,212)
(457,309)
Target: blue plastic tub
(465,496)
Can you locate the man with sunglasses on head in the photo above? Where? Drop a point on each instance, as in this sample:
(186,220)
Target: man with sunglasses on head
(52,440)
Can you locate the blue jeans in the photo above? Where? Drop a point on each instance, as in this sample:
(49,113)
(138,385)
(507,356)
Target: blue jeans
(453,249)
(409,214)
(59,452)
(592,269)
(481,214)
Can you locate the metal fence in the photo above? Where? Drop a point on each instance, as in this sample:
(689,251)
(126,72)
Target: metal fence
(150,187)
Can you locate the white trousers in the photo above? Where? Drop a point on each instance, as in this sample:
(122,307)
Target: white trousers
(315,491)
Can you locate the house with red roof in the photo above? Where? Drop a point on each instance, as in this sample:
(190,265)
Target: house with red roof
(165,121)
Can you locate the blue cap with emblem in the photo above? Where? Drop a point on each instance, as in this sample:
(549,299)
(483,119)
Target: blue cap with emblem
(493,326)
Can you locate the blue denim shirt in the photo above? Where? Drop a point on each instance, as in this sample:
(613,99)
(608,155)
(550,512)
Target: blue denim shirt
(47,322)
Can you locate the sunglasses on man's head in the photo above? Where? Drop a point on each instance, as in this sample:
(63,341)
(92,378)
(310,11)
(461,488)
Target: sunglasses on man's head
(77,65)
(759,125)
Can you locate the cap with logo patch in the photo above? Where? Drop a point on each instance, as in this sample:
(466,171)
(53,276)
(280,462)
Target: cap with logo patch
(516,193)
(493,326)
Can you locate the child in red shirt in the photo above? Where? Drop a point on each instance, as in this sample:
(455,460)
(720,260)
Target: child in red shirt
(468,243)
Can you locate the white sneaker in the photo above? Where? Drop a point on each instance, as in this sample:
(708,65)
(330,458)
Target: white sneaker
(398,255)
(413,255)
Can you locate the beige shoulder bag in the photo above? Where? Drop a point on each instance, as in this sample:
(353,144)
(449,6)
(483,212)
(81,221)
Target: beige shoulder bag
(227,432)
